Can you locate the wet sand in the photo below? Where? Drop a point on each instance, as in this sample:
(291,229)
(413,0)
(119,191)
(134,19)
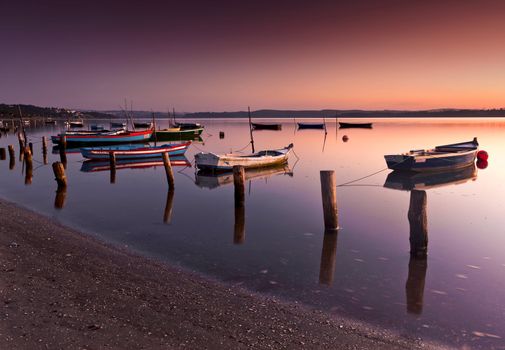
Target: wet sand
(61,289)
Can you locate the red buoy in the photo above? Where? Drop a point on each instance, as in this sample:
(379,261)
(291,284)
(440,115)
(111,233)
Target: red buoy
(482,155)
(482,164)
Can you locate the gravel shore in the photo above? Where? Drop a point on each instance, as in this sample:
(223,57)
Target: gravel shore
(61,289)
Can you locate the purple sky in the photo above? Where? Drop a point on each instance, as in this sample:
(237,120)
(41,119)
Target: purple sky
(226,55)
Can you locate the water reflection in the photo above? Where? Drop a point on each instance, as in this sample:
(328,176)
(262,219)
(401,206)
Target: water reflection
(91,166)
(328,257)
(167,213)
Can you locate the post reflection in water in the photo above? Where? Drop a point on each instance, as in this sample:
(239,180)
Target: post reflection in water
(167,214)
(59,199)
(328,257)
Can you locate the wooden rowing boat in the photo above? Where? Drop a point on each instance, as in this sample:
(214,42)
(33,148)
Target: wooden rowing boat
(266,126)
(343,125)
(226,162)
(134,151)
(175,133)
(103,137)
(311,125)
(440,158)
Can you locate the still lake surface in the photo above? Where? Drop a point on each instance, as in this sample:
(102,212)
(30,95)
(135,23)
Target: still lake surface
(455,296)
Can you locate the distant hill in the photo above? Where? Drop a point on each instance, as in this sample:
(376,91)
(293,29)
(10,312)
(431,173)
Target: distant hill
(29,111)
(331,113)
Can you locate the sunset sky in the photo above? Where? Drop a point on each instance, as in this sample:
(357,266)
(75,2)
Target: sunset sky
(226,55)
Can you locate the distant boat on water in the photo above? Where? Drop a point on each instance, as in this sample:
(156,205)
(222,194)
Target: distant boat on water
(176,133)
(103,137)
(445,157)
(117,125)
(344,125)
(311,125)
(75,124)
(134,151)
(226,162)
(266,126)
(146,125)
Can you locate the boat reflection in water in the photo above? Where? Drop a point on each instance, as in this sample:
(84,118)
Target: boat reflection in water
(417,184)
(90,166)
(209,180)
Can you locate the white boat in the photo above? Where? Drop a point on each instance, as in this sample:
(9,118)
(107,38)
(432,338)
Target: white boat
(226,162)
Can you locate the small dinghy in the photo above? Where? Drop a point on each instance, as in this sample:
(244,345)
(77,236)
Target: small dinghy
(266,126)
(134,151)
(226,162)
(311,125)
(343,125)
(440,158)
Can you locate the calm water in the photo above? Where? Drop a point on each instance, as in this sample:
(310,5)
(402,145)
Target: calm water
(455,296)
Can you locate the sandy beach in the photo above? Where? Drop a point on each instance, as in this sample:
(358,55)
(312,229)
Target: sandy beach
(62,289)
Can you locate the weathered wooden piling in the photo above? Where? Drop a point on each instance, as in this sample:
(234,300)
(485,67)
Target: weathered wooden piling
(112,162)
(63,142)
(21,141)
(63,157)
(59,199)
(59,174)
(168,170)
(329,196)
(418,223)
(414,288)
(44,145)
(3,154)
(167,214)
(239,194)
(239,184)
(29,166)
(328,258)
(12,157)
(221,134)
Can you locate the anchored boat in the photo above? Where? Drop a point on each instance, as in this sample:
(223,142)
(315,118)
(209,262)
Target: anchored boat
(343,125)
(226,162)
(440,158)
(103,137)
(311,125)
(266,126)
(134,151)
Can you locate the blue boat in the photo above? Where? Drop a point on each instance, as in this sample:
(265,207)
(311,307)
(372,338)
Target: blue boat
(440,158)
(134,151)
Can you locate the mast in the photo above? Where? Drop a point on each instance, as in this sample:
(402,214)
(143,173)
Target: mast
(250,128)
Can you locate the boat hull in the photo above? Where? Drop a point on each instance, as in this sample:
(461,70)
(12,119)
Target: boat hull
(441,163)
(310,126)
(218,163)
(355,125)
(261,126)
(83,139)
(174,135)
(132,152)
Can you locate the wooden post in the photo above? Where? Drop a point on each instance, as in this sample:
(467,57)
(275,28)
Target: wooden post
(250,128)
(63,157)
(168,170)
(112,161)
(414,287)
(3,154)
(21,141)
(12,157)
(29,166)
(167,214)
(59,199)
(239,194)
(59,174)
(418,223)
(329,196)
(63,142)
(328,258)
